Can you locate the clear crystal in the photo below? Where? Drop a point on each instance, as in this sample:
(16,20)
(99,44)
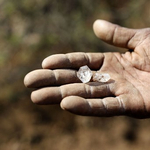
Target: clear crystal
(101,77)
(84,74)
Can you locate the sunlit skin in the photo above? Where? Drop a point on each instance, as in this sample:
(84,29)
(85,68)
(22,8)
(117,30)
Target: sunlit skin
(128,91)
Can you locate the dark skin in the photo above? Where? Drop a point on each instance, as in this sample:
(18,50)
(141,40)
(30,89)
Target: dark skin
(128,91)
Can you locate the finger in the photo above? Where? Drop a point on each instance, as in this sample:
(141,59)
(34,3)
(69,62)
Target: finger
(73,60)
(110,106)
(46,77)
(114,34)
(54,95)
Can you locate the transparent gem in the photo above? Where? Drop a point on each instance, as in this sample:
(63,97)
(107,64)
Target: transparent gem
(101,77)
(84,74)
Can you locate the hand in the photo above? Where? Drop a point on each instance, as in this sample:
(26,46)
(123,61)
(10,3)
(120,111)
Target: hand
(128,92)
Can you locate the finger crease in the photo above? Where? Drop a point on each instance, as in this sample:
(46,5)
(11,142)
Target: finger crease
(87,57)
(88,91)
(114,33)
(104,104)
(55,76)
(68,59)
(121,103)
(61,92)
(108,90)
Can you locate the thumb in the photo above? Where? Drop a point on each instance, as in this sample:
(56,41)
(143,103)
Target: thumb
(114,34)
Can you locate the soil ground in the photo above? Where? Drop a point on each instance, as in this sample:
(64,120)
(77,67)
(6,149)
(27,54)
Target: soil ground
(26,126)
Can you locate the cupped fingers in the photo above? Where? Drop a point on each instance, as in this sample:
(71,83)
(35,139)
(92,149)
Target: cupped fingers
(46,77)
(106,107)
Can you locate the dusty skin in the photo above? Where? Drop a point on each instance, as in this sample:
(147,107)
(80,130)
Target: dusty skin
(128,94)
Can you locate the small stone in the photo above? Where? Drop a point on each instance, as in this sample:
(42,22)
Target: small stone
(101,77)
(84,74)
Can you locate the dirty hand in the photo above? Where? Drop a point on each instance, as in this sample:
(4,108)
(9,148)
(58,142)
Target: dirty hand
(128,91)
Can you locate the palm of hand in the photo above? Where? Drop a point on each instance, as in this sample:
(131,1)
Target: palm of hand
(131,84)
(127,93)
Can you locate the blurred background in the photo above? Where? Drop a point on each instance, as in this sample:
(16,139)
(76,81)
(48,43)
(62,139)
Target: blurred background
(31,30)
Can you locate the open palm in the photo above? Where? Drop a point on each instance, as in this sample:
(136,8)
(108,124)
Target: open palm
(128,91)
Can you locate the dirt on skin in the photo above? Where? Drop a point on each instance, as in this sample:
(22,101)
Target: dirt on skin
(26,126)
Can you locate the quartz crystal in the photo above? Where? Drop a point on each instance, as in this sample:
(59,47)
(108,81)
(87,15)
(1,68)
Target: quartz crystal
(84,74)
(101,77)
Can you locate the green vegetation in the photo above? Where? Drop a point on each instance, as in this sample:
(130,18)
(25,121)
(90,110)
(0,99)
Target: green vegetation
(31,30)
